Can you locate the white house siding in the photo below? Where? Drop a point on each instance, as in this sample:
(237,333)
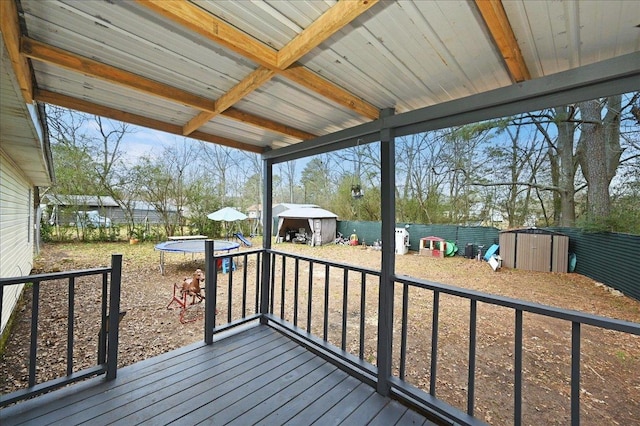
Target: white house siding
(16,231)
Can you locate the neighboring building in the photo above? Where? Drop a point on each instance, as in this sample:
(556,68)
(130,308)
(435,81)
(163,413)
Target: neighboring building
(254,211)
(25,165)
(61,209)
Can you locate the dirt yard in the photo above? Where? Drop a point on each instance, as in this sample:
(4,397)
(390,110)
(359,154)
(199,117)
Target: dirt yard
(610,382)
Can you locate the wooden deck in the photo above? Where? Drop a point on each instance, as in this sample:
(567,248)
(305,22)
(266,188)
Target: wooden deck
(255,376)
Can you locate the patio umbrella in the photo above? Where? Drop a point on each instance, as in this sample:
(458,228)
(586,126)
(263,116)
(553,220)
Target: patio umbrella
(227,214)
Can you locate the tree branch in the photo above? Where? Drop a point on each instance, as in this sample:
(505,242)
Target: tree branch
(529,184)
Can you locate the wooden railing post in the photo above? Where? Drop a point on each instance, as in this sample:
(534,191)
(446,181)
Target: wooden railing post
(114,316)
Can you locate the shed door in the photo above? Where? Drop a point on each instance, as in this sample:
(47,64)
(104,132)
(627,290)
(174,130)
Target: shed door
(317,232)
(508,249)
(533,252)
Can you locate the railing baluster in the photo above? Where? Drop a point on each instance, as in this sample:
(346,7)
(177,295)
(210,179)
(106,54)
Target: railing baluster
(33,349)
(283,285)
(70,323)
(273,283)
(295,291)
(210,291)
(325,325)
(102,337)
(471,384)
(403,336)
(517,370)
(575,373)
(244,286)
(258,275)
(229,288)
(345,292)
(1,299)
(363,302)
(310,296)
(434,343)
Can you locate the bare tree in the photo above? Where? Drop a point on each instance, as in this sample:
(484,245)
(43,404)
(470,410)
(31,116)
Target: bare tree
(220,160)
(288,171)
(419,191)
(599,152)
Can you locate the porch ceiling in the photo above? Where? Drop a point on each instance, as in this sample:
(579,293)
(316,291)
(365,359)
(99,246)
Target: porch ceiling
(266,75)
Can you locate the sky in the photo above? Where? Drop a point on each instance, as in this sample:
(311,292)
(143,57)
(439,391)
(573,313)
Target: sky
(142,141)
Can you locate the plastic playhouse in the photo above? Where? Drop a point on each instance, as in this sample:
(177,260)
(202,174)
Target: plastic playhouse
(434,246)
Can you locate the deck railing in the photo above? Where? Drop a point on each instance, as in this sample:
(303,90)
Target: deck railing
(246,289)
(327,302)
(332,308)
(107,317)
(517,307)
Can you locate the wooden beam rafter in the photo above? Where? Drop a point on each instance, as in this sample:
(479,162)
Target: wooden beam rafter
(101,110)
(250,83)
(10,29)
(321,29)
(498,24)
(282,129)
(312,81)
(53,55)
(200,21)
(43,52)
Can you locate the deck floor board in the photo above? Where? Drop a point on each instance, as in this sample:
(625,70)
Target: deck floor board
(254,376)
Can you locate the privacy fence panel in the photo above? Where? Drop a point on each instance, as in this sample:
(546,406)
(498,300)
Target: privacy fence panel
(460,235)
(612,259)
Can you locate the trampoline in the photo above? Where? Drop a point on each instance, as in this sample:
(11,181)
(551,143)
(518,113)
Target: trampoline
(192,246)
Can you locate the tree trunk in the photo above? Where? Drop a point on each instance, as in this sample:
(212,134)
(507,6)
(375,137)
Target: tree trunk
(599,153)
(567,169)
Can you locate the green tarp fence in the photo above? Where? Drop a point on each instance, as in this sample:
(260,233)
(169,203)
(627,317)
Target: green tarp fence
(460,235)
(609,258)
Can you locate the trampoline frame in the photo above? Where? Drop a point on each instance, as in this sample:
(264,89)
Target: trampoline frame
(192,246)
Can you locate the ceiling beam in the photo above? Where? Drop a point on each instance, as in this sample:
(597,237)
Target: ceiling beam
(312,81)
(200,21)
(52,55)
(45,53)
(282,129)
(250,83)
(495,18)
(139,120)
(10,29)
(331,21)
